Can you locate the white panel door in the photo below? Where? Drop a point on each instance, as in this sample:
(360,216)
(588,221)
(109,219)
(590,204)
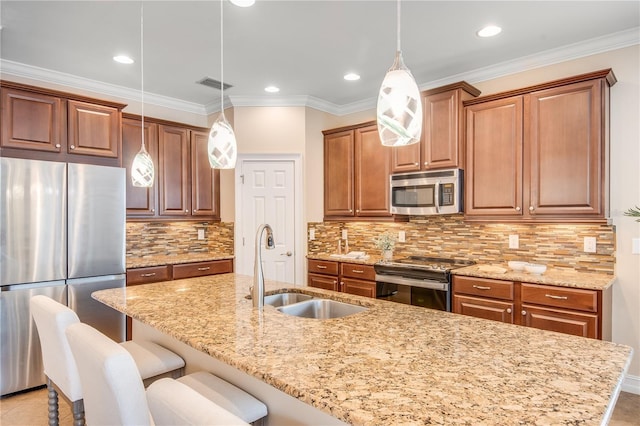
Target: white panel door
(268,196)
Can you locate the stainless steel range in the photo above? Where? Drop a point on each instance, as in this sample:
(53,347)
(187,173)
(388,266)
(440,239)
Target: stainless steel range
(417,280)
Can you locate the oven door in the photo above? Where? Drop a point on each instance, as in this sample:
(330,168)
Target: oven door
(426,293)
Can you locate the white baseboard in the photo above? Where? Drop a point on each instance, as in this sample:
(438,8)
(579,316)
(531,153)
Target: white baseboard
(631,384)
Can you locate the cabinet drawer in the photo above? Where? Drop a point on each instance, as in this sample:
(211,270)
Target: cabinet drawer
(148,275)
(560,297)
(494,289)
(199,269)
(354,270)
(326,267)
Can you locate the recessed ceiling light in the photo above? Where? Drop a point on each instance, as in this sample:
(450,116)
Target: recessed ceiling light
(123,59)
(351,76)
(243,3)
(489,31)
(271,89)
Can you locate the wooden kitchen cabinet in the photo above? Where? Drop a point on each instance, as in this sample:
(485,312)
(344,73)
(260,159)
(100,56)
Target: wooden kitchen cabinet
(199,269)
(352,278)
(186,188)
(356,174)
(49,125)
(139,201)
(540,154)
(442,143)
(148,275)
(580,312)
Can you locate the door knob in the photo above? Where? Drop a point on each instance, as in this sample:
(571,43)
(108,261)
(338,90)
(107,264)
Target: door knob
(286,254)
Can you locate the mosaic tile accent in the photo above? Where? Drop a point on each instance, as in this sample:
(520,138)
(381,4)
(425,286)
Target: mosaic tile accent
(178,238)
(555,245)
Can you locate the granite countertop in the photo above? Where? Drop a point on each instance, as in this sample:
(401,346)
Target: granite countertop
(553,276)
(173,259)
(392,364)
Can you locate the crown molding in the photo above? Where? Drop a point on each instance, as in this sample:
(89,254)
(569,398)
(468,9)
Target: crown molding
(581,49)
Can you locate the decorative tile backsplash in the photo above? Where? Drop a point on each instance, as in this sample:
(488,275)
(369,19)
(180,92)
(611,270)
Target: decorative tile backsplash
(175,238)
(555,245)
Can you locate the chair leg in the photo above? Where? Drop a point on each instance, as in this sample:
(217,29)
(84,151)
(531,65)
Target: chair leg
(78,412)
(53,404)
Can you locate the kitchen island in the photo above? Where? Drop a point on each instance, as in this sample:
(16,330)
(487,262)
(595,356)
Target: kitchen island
(391,364)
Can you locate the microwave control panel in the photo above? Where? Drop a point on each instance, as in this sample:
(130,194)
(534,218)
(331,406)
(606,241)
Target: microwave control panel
(446,194)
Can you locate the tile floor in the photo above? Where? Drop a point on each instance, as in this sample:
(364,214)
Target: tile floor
(30,409)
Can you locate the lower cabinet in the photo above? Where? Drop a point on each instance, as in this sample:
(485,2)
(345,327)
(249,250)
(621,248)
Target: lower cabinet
(580,312)
(352,278)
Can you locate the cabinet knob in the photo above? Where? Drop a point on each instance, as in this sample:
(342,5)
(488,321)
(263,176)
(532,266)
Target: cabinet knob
(195,210)
(350,211)
(358,211)
(186,210)
(531,208)
(523,312)
(153,210)
(508,310)
(518,208)
(416,164)
(57,145)
(426,163)
(72,147)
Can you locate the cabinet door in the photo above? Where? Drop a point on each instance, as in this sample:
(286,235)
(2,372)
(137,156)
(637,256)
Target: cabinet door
(372,168)
(205,181)
(339,174)
(140,201)
(565,144)
(173,158)
(359,287)
(494,310)
(32,121)
(568,322)
(93,129)
(440,137)
(406,158)
(493,176)
(326,282)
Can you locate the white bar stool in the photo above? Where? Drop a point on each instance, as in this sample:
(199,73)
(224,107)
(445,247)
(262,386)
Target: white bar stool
(52,318)
(114,394)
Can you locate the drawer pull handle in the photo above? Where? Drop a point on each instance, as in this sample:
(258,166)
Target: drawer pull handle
(357,271)
(481,287)
(150,274)
(204,268)
(321,267)
(551,296)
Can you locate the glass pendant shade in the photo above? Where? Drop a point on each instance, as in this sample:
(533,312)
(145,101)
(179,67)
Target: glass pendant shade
(142,170)
(222,147)
(399,110)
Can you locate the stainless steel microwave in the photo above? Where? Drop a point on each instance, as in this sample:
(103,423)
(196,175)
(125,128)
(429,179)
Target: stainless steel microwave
(427,193)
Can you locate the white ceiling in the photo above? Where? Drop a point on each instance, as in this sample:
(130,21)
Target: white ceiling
(304,47)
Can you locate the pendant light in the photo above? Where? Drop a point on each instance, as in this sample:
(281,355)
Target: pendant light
(222,148)
(142,170)
(399,110)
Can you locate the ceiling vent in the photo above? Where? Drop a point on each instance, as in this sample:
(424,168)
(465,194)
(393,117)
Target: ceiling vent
(210,82)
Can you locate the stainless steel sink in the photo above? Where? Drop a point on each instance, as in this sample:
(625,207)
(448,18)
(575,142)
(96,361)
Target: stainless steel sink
(321,309)
(283,299)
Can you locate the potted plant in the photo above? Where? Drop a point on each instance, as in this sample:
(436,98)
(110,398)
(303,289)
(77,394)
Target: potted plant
(633,213)
(386,242)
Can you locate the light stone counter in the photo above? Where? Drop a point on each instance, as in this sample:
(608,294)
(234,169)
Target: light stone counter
(140,262)
(392,364)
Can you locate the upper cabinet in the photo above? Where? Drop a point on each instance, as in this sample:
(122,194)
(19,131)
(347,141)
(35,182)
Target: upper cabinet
(442,142)
(540,154)
(55,126)
(356,173)
(185,187)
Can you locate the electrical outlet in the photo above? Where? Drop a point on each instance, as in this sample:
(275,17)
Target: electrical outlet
(402,237)
(589,244)
(344,234)
(514,242)
(312,234)
(635,246)
(201,234)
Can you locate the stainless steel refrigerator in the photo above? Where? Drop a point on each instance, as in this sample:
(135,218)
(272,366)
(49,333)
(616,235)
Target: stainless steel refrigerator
(62,234)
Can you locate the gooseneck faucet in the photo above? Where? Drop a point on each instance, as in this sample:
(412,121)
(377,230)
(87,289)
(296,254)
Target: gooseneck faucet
(257,291)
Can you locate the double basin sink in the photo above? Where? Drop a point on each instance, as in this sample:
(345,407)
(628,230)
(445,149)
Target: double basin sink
(307,306)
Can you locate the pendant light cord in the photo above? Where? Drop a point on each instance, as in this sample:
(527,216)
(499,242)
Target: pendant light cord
(221,58)
(142,68)
(398,26)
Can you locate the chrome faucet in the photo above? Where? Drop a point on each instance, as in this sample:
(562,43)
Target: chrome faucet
(257,290)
